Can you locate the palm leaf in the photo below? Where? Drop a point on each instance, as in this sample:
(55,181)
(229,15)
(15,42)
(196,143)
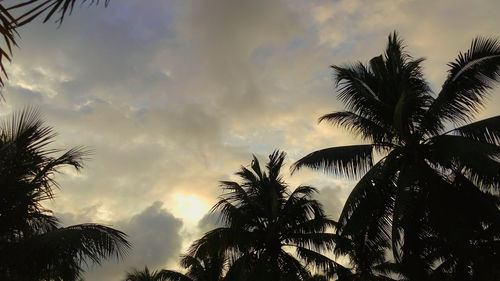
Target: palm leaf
(240,267)
(275,164)
(291,268)
(470,78)
(481,163)
(487,130)
(320,261)
(357,93)
(90,241)
(9,33)
(10,20)
(301,211)
(222,239)
(350,161)
(34,8)
(360,125)
(170,275)
(193,264)
(146,275)
(381,174)
(64,251)
(318,224)
(317,241)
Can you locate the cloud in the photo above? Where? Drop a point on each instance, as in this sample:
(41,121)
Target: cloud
(173,96)
(154,234)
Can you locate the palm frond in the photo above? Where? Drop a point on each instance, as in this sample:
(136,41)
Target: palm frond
(318,224)
(481,163)
(192,263)
(222,239)
(63,251)
(382,174)
(170,275)
(360,125)
(357,93)
(25,143)
(387,268)
(240,267)
(275,164)
(300,211)
(303,191)
(155,275)
(10,20)
(350,161)
(470,78)
(34,8)
(250,179)
(320,261)
(92,242)
(367,214)
(9,33)
(487,130)
(320,241)
(234,192)
(291,268)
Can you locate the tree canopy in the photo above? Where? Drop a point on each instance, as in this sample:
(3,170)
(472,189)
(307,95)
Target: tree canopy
(33,246)
(433,197)
(263,221)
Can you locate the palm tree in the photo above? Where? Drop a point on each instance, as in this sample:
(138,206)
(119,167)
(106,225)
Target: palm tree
(433,196)
(32,244)
(264,221)
(10,20)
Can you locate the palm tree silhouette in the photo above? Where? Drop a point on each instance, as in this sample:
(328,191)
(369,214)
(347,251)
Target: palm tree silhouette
(32,244)
(264,221)
(433,196)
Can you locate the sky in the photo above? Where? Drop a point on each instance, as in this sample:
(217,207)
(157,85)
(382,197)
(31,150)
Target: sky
(173,96)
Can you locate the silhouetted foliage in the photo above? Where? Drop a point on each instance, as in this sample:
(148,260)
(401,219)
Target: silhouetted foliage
(145,275)
(32,244)
(16,15)
(207,268)
(263,221)
(433,197)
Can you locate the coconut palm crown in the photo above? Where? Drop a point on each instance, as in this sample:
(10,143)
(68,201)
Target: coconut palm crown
(263,221)
(33,246)
(433,196)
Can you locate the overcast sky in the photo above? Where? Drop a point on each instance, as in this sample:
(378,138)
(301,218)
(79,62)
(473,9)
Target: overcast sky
(174,96)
